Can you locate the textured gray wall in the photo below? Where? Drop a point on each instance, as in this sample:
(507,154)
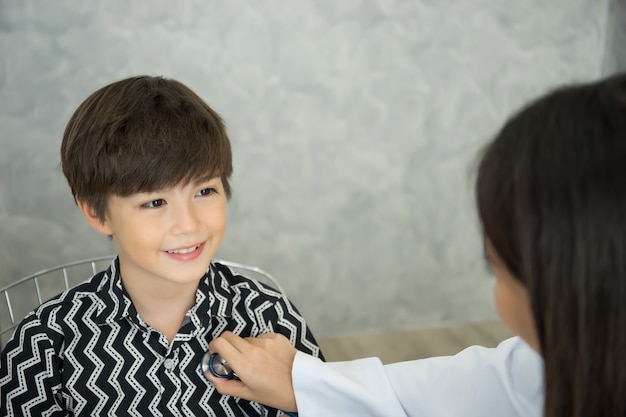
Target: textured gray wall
(615,51)
(354,126)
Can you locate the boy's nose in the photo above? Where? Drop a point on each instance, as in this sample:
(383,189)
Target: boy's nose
(185,219)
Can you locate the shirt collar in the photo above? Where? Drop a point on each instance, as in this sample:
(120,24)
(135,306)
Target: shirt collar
(213,297)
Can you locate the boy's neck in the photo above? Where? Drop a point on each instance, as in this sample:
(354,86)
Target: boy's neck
(162,306)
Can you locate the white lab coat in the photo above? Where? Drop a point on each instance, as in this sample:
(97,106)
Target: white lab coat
(505,381)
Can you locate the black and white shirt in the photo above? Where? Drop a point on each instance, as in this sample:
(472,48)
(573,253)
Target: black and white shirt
(87,351)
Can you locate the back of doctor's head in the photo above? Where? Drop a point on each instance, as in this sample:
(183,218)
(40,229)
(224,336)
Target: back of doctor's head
(551,195)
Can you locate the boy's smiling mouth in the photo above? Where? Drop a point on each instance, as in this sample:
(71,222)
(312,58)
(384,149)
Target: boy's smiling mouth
(184,250)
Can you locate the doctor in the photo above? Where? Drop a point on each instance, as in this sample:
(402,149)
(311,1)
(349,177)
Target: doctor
(551,197)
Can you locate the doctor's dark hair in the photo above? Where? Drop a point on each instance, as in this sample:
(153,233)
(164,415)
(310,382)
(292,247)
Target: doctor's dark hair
(142,134)
(551,196)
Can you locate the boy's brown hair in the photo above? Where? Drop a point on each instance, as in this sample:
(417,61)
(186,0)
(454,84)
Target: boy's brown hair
(142,134)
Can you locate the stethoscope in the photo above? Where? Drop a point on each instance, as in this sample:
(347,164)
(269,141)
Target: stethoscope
(217,365)
(214,363)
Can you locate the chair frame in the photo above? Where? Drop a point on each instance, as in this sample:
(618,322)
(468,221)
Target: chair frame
(35,278)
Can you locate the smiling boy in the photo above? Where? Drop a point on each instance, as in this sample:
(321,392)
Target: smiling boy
(148,163)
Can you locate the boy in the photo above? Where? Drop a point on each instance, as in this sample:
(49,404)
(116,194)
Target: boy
(148,163)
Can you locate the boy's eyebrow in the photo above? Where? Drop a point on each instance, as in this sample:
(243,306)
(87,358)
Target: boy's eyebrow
(206,178)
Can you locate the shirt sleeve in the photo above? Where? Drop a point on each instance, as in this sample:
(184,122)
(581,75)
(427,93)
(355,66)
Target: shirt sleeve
(29,376)
(506,381)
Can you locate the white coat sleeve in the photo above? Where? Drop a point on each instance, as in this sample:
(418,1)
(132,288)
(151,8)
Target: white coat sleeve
(506,381)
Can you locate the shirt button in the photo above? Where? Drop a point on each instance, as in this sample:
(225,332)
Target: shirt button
(169,364)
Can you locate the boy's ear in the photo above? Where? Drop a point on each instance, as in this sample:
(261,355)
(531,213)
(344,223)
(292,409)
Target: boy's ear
(93,220)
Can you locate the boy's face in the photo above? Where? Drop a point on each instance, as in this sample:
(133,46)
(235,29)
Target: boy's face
(167,236)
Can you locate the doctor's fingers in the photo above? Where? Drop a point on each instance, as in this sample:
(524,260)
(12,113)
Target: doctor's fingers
(239,388)
(265,387)
(263,366)
(255,359)
(273,343)
(225,342)
(232,387)
(271,347)
(268,338)
(239,343)
(229,348)
(254,354)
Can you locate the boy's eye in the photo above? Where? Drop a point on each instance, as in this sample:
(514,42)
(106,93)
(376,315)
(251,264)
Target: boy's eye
(206,191)
(154,203)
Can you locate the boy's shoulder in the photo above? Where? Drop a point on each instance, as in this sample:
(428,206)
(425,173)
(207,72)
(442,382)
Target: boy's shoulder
(233,279)
(86,297)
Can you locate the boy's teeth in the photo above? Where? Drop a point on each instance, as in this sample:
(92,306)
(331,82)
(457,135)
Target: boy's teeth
(193,248)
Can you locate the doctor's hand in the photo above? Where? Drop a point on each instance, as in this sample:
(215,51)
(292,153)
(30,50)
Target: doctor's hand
(262,364)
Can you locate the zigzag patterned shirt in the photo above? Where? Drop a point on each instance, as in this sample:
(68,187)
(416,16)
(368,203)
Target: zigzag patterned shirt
(87,351)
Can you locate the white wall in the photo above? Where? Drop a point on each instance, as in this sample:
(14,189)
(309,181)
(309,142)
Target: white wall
(354,126)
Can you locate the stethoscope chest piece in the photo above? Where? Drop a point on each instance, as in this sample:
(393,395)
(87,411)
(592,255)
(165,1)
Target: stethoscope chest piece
(217,365)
